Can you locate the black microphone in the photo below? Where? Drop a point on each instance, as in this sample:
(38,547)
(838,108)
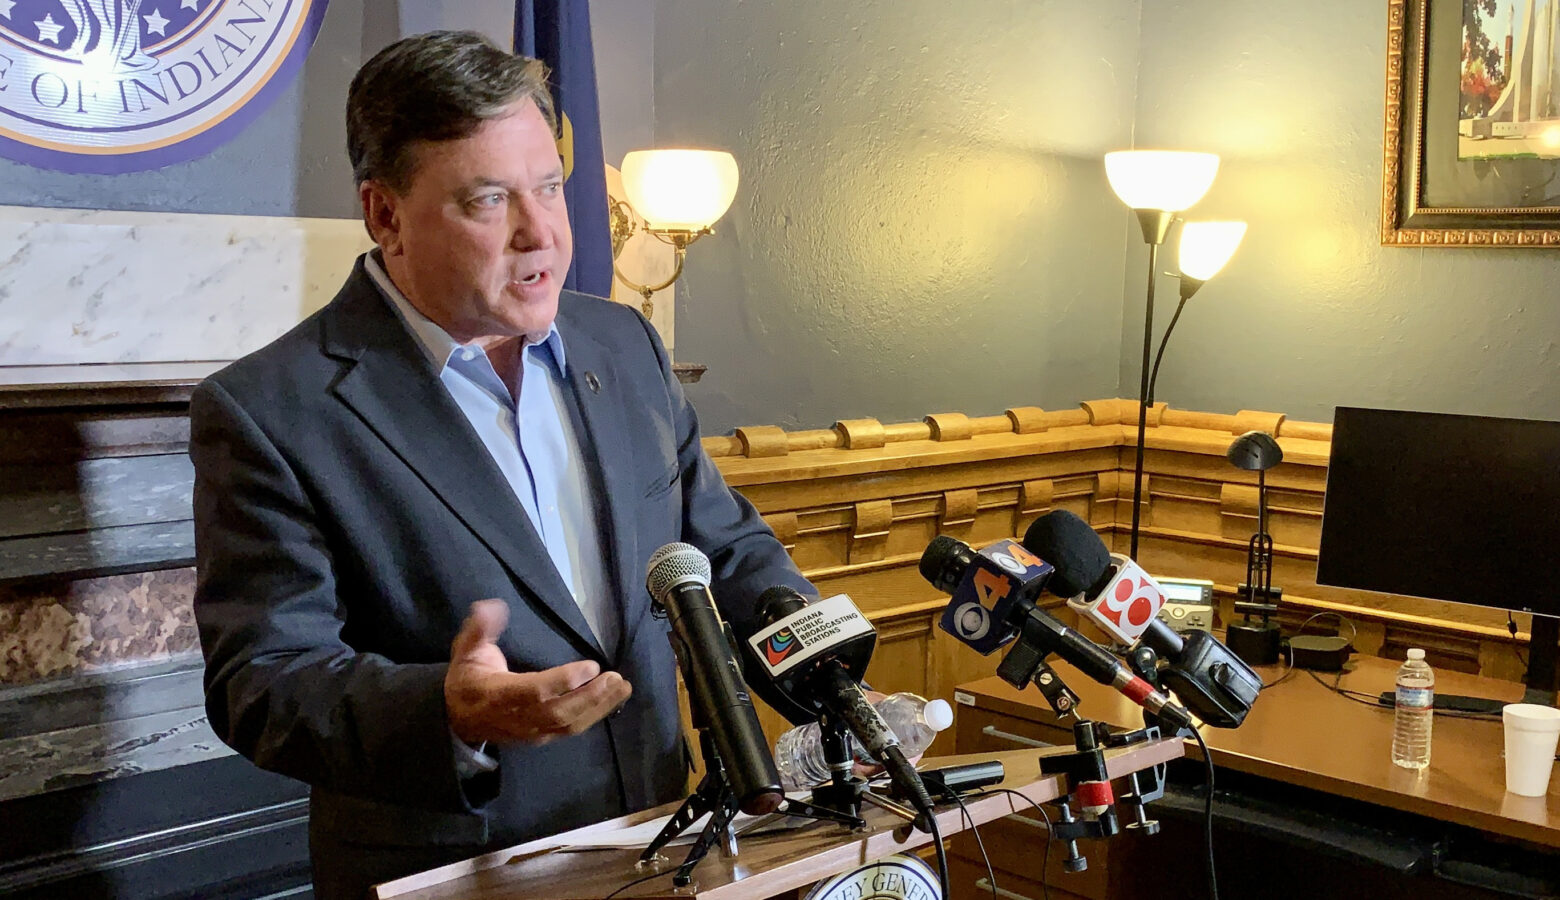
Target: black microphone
(815,654)
(1084,572)
(679,582)
(1204,674)
(1007,579)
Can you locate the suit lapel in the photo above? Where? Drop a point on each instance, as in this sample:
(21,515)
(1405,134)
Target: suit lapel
(596,389)
(392,387)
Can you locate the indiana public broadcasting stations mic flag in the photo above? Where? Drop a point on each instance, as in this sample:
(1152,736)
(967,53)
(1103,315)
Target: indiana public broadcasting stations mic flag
(558,33)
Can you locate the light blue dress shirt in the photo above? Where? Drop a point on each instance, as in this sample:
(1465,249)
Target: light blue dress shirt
(533,442)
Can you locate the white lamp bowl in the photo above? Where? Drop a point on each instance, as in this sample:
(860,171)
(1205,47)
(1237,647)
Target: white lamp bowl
(1207,246)
(680,190)
(1167,180)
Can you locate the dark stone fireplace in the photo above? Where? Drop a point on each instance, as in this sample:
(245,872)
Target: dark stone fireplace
(111,782)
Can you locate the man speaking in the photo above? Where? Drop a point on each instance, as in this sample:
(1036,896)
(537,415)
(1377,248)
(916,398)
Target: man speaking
(423,515)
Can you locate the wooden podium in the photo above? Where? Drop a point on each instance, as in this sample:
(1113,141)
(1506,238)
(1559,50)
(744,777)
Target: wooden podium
(766,866)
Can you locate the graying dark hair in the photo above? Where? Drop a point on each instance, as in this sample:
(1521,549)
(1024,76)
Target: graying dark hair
(439,86)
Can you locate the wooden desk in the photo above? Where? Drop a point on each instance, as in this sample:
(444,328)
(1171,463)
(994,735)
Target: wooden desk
(1301,733)
(1305,752)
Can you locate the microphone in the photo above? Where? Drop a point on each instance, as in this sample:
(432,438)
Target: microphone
(989,589)
(1003,580)
(798,638)
(816,653)
(1115,593)
(1106,588)
(678,579)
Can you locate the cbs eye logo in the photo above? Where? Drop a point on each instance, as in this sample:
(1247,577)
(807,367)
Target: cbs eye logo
(971,621)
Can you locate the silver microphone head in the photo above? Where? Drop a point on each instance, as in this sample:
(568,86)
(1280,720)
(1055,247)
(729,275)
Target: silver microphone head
(674,564)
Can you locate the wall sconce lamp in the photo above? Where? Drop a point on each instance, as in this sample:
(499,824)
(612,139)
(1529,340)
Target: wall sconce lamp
(1157,184)
(675,196)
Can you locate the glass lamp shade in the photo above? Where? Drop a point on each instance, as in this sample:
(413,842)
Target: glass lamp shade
(680,190)
(1166,180)
(1207,246)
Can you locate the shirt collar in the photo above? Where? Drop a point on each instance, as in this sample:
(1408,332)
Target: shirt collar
(435,342)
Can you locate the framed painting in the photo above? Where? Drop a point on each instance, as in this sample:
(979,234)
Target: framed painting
(1472,143)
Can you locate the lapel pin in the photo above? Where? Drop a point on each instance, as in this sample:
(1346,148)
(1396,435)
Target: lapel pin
(593,382)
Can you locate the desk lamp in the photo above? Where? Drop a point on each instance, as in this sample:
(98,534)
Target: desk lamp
(1257,642)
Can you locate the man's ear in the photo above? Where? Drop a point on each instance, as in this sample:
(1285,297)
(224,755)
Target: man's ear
(382,215)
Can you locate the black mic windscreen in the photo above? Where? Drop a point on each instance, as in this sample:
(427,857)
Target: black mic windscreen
(1067,542)
(778,602)
(944,561)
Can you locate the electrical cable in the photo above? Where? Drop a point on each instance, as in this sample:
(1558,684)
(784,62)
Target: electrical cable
(1284,677)
(1354,630)
(1213,880)
(1290,671)
(1372,701)
(1045,853)
(1511,626)
(942,852)
(637,881)
(991,875)
(1337,688)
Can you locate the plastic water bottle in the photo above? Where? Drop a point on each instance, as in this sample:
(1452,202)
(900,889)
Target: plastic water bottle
(1414,712)
(913,719)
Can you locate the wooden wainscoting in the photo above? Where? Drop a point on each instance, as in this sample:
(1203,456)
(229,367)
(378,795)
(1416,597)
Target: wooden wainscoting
(856,505)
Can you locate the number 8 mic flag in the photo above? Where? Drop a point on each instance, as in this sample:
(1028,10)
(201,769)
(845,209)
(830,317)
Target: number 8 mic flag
(558,33)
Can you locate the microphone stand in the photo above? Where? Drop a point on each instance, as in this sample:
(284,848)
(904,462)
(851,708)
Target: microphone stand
(715,796)
(1088,787)
(1025,664)
(847,790)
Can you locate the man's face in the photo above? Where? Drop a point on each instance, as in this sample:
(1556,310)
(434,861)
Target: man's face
(479,241)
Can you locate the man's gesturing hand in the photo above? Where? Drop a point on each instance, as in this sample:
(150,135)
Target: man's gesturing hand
(487,702)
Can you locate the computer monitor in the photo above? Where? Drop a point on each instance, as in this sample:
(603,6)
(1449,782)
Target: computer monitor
(1449,507)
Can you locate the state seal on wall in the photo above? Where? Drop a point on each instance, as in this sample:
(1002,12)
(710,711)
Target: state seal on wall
(114,86)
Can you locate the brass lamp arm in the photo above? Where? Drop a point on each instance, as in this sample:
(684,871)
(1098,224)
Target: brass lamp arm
(624,226)
(645,290)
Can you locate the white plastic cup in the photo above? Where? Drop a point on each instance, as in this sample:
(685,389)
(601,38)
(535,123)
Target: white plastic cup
(1532,733)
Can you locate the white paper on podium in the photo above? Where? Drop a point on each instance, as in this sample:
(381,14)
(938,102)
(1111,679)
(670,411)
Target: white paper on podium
(637,836)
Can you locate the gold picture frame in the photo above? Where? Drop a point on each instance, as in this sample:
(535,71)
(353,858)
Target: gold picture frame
(1430,197)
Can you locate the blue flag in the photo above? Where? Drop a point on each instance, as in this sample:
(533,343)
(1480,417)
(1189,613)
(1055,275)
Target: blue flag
(558,33)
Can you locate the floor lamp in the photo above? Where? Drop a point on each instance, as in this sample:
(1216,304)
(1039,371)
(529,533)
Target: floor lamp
(1156,184)
(1205,248)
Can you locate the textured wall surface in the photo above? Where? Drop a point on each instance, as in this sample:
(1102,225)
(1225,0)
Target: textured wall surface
(923,221)
(622,34)
(1313,312)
